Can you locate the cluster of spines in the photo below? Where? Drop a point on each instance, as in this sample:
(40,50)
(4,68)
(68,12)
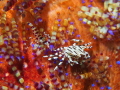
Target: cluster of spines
(105,24)
(10,48)
(9,85)
(25,40)
(9,5)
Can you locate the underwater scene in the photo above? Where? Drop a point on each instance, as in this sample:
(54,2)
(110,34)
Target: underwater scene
(59,44)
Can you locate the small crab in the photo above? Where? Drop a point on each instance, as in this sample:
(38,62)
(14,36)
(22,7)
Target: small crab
(69,52)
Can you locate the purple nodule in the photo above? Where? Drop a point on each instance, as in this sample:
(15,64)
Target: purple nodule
(54,62)
(24,4)
(96,80)
(51,47)
(78,35)
(35,11)
(52,75)
(68,7)
(67,31)
(91,0)
(23,57)
(37,67)
(58,25)
(32,45)
(40,20)
(11,56)
(1,62)
(20,10)
(71,22)
(78,77)
(59,20)
(18,58)
(80,19)
(101,87)
(118,62)
(27,86)
(66,40)
(1,56)
(110,32)
(107,25)
(61,60)
(6,42)
(84,22)
(83,1)
(113,17)
(115,25)
(33,53)
(66,74)
(94,37)
(70,85)
(42,65)
(33,58)
(118,14)
(93,85)
(110,65)
(109,87)
(41,82)
(43,4)
(38,8)
(89,6)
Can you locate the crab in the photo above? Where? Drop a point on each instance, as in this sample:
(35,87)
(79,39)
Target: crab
(69,52)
